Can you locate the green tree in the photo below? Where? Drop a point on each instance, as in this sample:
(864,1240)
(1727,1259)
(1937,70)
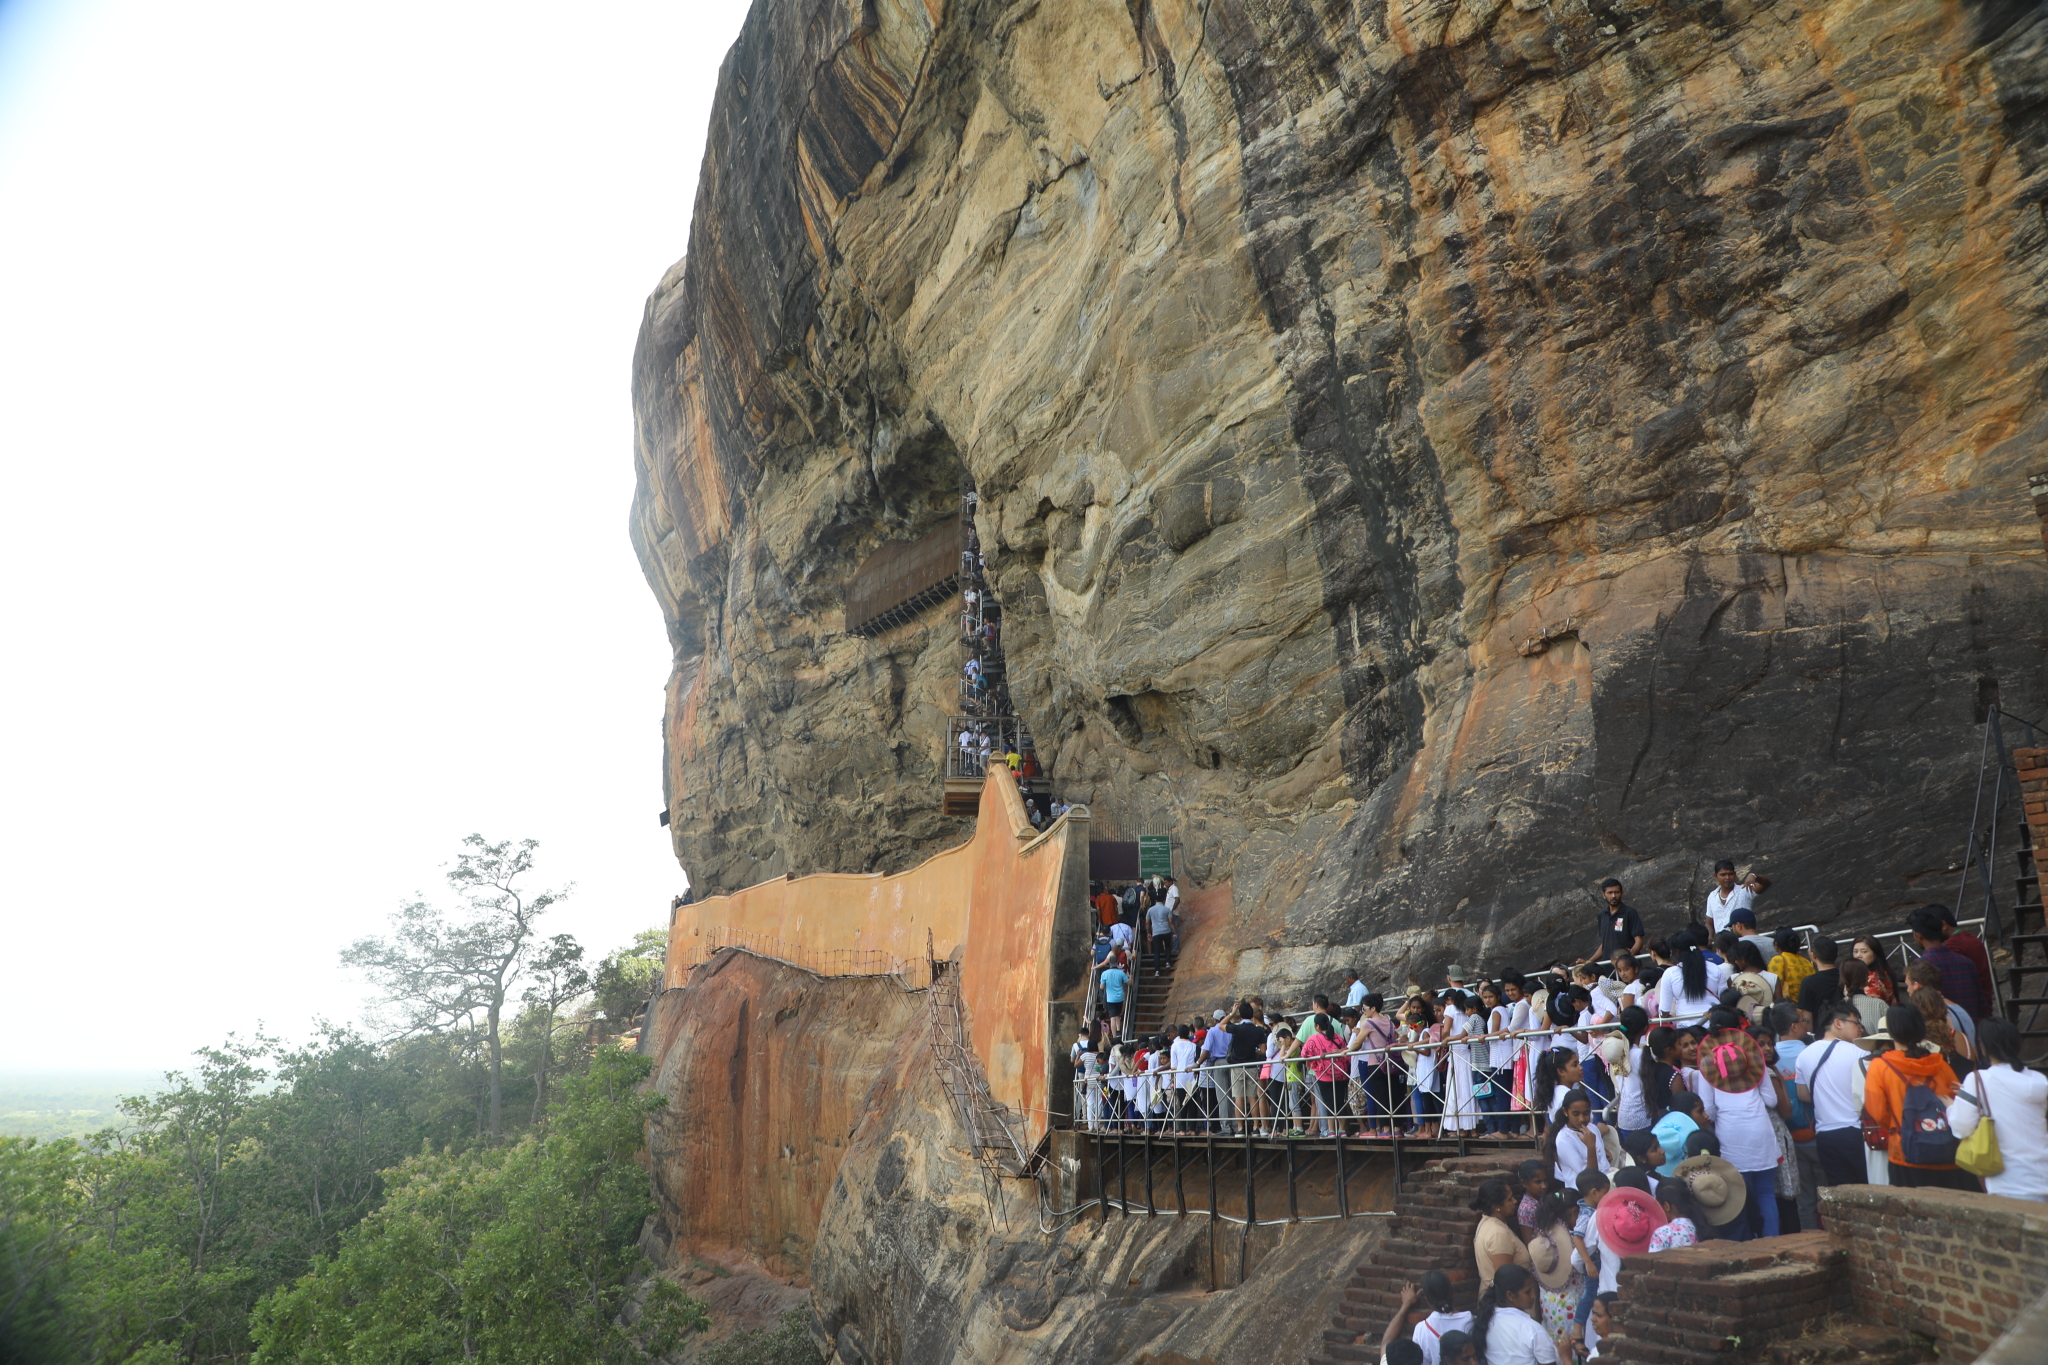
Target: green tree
(558,979)
(626,978)
(452,972)
(522,1253)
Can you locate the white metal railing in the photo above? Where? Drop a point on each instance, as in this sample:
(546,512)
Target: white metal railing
(989,739)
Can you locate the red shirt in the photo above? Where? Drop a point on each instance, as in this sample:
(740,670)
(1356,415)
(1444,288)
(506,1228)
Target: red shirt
(1972,947)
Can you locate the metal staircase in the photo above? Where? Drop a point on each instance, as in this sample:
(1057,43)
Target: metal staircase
(990,1127)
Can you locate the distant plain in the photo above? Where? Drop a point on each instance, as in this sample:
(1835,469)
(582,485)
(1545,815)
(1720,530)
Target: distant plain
(53,1104)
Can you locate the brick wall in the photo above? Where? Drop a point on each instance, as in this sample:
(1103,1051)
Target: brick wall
(2032,768)
(1952,1266)
(1722,1302)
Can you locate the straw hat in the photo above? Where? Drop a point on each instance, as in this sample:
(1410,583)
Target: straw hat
(1731,1062)
(1716,1185)
(1626,1218)
(1559,1273)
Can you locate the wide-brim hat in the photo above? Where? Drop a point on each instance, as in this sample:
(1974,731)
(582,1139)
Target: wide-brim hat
(1716,1186)
(1560,1273)
(1731,1062)
(1626,1218)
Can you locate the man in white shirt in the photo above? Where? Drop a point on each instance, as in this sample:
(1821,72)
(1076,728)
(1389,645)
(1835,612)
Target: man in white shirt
(1354,991)
(1826,1074)
(1726,897)
(1172,895)
(1122,936)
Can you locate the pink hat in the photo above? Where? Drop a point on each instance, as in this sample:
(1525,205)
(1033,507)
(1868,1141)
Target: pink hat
(1626,1218)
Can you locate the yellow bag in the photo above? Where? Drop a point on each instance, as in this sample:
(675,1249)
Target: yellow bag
(1978,1153)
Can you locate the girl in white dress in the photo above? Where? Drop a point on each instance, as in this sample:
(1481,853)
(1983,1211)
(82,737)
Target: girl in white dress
(1461,1111)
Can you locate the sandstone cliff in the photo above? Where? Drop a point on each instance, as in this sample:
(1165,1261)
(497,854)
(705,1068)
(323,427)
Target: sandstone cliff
(1430,456)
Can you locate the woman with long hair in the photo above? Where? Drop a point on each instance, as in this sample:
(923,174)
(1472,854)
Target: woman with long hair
(1321,1051)
(1420,1033)
(1881,983)
(1495,1244)
(1941,1035)
(1502,1328)
(1686,995)
(1461,1111)
(1632,1105)
(1496,1070)
(1557,1071)
(1573,1141)
(2015,1099)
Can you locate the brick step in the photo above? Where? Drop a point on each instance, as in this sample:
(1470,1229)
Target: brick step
(1849,1344)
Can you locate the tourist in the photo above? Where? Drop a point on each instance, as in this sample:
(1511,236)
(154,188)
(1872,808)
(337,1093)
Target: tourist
(1621,928)
(1682,1218)
(1961,940)
(1686,1116)
(1441,1321)
(1460,1111)
(1574,1142)
(1960,980)
(1418,1036)
(1626,1220)
(1824,983)
(1759,991)
(1460,1349)
(1113,980)
(1558,1070)
(1942,1036)
(1791,966)
(1743,922)
(1494,1077)
(1354,990)
(1726,898)
(1494,1243)
(1926,976)
(1631,1070)
(1502,1327)
(1739,1098)
(1123,936)
(1788,1028)
(1185,1057)
(1906,1092)
(1560,1282)
(1600,1323)
(1881,984)
(1534,1178)
(1628,987)
(2015,1101)
(1163,925)
(1323,1051)
(1716,1187)
(1379,1070)
(1246,1048)
(1826,1076)
(1296,1102)
(1396,1349)
(1684,996)
(1855,986)
(1647,1153)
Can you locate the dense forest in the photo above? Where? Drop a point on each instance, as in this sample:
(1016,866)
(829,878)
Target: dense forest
(457,1182)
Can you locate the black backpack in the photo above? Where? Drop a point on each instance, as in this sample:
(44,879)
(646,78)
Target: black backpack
(1924,1138)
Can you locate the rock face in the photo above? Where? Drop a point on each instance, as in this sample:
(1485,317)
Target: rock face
(1430,456)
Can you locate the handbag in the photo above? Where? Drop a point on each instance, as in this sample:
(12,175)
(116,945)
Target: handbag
(1876,1136)
(1788,1159)
(1978,1153)
(1519,1100)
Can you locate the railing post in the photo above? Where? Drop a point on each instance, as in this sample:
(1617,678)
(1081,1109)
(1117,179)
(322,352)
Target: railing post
(1151,1210)
(1344,1176)
(1209,1144)
(1293,1209)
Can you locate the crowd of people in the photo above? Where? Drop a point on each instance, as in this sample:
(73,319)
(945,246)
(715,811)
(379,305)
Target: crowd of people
(1708,1092)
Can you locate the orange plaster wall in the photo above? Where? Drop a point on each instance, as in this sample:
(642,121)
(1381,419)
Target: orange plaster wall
(997,898)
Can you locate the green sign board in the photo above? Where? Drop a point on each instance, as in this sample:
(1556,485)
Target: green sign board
(1155,855)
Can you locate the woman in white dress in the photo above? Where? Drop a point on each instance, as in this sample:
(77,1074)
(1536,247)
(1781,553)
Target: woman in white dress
(1461,1111)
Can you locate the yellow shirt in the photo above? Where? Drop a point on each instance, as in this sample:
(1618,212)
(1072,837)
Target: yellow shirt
(1791,969)
(1014,759)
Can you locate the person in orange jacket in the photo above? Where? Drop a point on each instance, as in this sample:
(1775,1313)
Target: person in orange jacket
(1886,1084)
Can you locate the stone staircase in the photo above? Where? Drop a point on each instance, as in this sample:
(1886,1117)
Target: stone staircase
(1731,1303)
(1432,1230)
(1150,1016)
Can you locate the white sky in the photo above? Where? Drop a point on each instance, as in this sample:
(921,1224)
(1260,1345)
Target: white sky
(315,455)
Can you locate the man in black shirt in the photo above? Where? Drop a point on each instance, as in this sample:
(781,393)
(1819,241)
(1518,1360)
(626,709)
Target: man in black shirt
(1247,1047)
(1621,928)
(1824,987)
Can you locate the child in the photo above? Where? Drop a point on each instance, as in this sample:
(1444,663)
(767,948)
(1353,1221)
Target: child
(1460,1349)
(1592,1187)
(1573,1143)
(1687,1116)
(1682,1229)
(1645,1151)
(1534,1177)
(1558,1071)
(1554,1229)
